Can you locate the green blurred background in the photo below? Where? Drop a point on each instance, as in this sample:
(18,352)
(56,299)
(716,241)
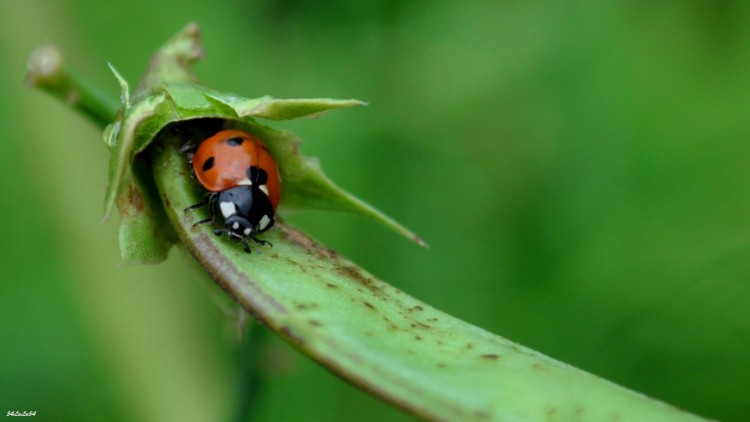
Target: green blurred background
(580,170)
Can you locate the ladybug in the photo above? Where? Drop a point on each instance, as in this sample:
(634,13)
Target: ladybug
(243,184)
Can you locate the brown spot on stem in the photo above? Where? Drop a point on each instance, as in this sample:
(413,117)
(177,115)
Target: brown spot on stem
(420,325)
(135,198)
(356,274)
(491,356)
(304,242)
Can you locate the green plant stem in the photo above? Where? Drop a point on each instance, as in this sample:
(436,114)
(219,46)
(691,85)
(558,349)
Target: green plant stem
(251,373)
(46,70)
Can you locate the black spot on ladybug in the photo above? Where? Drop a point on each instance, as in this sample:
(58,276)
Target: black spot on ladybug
(235,142)
(208,164)
(257,175)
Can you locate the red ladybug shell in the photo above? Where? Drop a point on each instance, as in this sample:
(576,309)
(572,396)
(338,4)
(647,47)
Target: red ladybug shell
(223,161)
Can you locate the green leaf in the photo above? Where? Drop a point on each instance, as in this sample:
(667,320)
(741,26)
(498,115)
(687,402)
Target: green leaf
(282,109)
(127,138)
(384,341)
(191,99)
(145,234)
(124,87)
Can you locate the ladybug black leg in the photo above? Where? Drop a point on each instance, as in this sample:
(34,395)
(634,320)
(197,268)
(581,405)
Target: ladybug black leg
(262,242)
(206,199)
(194,206)
(205,221)
(246,246)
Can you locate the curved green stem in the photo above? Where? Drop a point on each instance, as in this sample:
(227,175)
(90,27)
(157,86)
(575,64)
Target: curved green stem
(46,70)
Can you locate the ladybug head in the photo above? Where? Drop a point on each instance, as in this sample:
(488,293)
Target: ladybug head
(239,226)
(245,210)
(234,205)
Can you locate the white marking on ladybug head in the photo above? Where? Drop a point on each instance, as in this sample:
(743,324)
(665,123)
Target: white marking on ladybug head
(245,182)
(248,231)
(264,188)
(264,222)
(235,226)
(227,208)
